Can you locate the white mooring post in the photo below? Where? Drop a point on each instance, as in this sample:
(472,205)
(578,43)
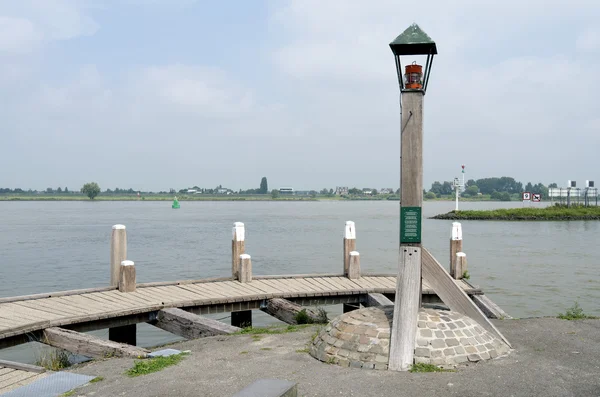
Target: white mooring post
(456,245)
(245,269)
(118,252)
(349,244)
(354,265)
(461,266)
(238,247)
(127,277)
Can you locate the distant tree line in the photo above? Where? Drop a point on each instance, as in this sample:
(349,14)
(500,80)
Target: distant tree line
(497,188)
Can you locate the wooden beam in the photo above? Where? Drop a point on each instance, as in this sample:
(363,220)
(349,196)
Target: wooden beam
(286,311)
(238,247)
(191,326)
(460,266)
(453,296)
(375,299)
(406,310)
(354,265)
(245,269)
(22,367)
(118,252)
(89,345)
(489,308)
(349,244)
(456,245)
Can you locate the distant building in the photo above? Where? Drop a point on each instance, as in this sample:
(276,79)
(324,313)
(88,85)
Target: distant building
(223,190)
(191,191)
(386,190)
(341,190)
(367,191)
(286,190)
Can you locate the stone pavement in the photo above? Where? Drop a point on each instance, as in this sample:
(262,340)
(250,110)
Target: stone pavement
(551,357)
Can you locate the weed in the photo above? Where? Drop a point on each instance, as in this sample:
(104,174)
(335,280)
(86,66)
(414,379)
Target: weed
(331,360)
(302,317)
(270,330)
(421,367)
(54,360)
(466,275)
(256,338)
(68,393)
(244,352)
(305,350)
(265,348)
(97,379)
(574,312)
(143,367)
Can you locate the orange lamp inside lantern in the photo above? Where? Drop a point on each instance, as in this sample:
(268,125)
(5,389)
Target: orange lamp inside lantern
(413,76)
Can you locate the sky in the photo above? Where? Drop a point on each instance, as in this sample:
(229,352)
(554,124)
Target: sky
(160,94)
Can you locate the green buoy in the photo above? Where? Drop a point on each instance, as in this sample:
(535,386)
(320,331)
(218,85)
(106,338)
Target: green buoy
(175,204)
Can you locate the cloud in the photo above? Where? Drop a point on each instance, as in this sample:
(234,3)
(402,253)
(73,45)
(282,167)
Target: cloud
(26,24)
(589,40)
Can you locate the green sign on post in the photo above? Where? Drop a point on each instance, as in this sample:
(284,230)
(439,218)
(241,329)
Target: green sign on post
(410,224)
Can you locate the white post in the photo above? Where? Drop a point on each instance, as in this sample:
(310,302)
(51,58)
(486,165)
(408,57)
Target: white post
(354,265)
(245,268)
(238,247)
(456,245)
(461,265)
(349,244)
(118,252)
(127,277)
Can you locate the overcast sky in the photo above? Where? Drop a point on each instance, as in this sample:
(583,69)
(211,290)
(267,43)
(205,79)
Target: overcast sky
(159,94)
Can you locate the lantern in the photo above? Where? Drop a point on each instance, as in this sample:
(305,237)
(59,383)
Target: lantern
(413,41)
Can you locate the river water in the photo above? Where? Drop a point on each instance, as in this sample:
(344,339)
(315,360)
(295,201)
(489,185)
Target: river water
(528,268)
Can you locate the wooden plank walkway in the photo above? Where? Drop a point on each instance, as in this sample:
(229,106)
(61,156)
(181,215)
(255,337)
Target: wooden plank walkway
(12,378)
(22,315)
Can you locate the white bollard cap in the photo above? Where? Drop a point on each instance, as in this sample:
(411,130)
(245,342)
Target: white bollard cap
(127,263)
(456,231)
(354,253)
(115,227)
(350,231)
(238,231)
(461,254)
(244,256)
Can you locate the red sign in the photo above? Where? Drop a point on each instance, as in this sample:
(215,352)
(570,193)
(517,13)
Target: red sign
(537,197)
(526,196)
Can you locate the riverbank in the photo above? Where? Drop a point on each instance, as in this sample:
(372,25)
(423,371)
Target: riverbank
(182,198)
(551,357)
(551,213)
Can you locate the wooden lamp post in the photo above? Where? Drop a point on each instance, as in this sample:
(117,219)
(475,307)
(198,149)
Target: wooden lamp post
(413,85)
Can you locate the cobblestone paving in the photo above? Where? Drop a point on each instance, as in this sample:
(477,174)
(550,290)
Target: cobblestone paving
(361,339)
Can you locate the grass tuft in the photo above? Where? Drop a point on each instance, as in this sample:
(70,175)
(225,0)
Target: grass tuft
(155,364)
(550,213)
(270,330)
(575,312)
(427,368)
(54,360)
(305,350)
(97,379)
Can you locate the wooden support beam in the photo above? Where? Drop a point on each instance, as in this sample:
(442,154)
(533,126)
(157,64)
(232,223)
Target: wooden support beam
(376,299)
(460,265)
(22,367)
(349,244)
(89,345)
(406,310)
(242,319)
(127,277)
(238,247)
(453,296)
(354,265)
(118,252)
(489,308)
(456,245)
(286,311)
(190,326)
(245,271)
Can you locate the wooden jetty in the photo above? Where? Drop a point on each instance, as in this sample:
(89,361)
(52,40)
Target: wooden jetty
(59,319)
(14,375)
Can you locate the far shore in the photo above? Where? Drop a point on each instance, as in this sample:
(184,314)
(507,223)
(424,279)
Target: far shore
(551,213)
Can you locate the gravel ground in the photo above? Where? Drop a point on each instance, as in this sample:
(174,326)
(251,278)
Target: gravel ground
(551,357)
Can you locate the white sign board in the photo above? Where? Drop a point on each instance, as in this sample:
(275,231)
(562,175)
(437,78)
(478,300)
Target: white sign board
(526,196)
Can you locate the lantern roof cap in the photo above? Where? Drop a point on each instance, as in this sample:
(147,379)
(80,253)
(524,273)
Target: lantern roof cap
(413,41)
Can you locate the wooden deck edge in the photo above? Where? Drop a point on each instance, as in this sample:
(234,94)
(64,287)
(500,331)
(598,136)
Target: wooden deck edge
(55,294)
